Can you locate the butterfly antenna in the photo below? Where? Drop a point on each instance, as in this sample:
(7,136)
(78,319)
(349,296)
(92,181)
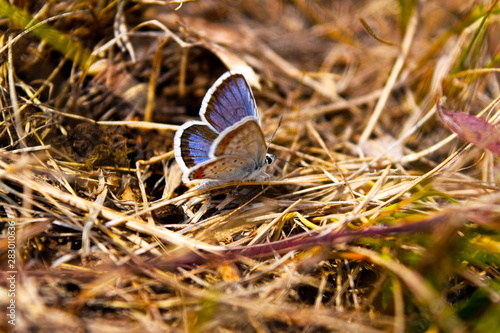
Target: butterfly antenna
(271,140)
(276,130)
(298,166)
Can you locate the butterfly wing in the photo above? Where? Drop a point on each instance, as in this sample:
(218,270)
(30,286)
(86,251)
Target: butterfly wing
(223,169)
(192,144)
(244,139)
(228,101)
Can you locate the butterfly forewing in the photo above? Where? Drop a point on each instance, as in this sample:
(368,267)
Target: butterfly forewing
(228,101)
(192,143)
(245,140)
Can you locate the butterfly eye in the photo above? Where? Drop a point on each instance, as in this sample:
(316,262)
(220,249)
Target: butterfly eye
(270,158)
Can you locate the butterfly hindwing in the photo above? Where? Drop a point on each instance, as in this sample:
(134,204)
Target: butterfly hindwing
(223,169)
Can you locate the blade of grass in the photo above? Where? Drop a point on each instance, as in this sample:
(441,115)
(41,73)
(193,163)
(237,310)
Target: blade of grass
(65,44)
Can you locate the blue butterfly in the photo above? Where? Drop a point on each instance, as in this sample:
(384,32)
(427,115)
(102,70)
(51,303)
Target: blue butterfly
(228,144)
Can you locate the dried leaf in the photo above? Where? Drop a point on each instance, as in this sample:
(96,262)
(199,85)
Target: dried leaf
(471,129)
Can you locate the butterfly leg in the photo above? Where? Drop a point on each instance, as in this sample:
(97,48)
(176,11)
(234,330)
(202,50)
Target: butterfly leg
(262,177)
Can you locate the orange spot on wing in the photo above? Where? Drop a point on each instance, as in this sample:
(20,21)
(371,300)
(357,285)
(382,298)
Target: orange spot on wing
(199,173)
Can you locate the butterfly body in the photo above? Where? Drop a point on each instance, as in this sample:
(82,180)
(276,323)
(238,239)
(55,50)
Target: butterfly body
(228,144)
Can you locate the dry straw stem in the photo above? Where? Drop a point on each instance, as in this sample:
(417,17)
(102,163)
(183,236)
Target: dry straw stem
(391,81)
(385,221)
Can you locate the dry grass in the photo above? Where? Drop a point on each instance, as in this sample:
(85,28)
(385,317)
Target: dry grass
(390,223)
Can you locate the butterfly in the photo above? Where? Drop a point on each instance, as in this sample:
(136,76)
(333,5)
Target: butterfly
(228,143)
